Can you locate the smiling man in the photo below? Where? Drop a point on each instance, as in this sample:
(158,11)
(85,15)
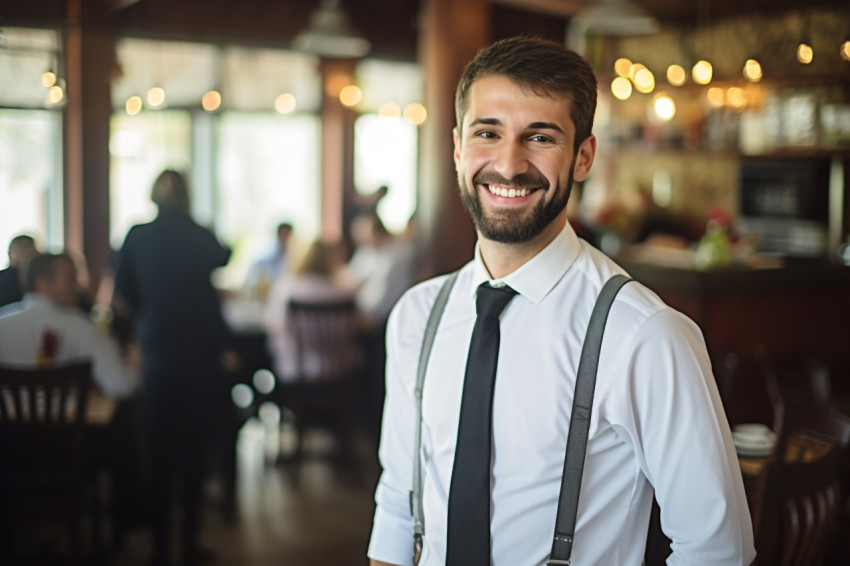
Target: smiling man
(524,118)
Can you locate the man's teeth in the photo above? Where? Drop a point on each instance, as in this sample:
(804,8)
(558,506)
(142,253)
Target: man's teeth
(510,193)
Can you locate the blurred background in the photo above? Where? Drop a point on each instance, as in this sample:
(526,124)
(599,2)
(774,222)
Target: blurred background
(721,177)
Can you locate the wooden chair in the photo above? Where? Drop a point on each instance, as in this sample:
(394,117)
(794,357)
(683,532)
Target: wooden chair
(802,487)
(42,418)
(328,356)
(799,507)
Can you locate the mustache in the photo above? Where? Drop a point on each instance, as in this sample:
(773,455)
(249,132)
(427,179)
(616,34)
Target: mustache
(522,180)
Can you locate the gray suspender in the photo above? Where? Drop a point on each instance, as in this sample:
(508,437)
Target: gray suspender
(565,523)
(579,422)
(428,341)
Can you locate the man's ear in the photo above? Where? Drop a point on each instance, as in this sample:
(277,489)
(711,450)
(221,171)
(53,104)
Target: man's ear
(584,158)
(456,138)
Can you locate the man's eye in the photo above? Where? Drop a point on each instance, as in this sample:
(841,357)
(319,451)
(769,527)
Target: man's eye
(540,138)
(486,134)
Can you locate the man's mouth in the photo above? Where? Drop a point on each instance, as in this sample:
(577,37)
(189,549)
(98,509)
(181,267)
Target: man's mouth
(508,191)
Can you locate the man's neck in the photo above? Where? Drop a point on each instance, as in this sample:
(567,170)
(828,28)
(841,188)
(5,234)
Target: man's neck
(502,259)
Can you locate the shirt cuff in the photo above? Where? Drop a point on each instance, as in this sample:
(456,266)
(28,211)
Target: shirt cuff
(392,540)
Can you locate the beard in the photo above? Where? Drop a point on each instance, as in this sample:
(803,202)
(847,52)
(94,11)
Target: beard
(514,226)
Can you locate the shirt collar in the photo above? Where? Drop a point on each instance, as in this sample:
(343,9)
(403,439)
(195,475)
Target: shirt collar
(540,274)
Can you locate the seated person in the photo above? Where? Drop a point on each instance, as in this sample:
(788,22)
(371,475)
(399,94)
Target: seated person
(314,280)
(20,248)
(270,267)
(47,327)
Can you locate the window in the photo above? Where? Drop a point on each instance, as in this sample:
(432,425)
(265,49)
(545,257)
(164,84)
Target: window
(30,138)
(385,150)
(31,177)
(268,171)
(140,148)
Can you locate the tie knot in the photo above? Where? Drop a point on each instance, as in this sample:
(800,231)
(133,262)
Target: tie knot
(491,301)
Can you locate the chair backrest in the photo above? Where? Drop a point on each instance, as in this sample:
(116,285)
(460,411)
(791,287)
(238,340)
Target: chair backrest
(804,429)
(42,416)
(326,339)
(800,503)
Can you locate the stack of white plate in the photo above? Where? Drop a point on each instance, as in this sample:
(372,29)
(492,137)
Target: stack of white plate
(755,440)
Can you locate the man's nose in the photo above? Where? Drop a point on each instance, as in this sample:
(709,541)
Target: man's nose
(512,159)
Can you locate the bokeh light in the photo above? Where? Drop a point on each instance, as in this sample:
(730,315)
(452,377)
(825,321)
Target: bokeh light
(133,105)
(621,87)
(676,75)
(284,103)
(702,72)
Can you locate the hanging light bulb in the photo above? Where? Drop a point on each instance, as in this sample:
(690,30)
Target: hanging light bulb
(55,94)
(664,107)
(284,103)
(389,110)
(845,50)
(622,66)
(350,95)
(716,97)
(48,79)
(676,75)
(702,72)
(805,53)
(644,81)
(621,87)
(133,105)
(211,101)
(415,113)
(156,97)
(752,70)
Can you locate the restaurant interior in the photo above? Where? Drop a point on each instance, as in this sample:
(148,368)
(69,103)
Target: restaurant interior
(721,182)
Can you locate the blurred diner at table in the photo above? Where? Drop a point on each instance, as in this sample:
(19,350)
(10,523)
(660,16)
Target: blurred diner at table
(20,248)
(316,279)
(272,266)
(47,328)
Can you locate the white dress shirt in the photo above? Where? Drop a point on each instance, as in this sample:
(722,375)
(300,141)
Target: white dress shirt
(23,324)
(657,422)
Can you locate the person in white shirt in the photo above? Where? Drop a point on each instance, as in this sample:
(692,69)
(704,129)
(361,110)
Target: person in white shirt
(524,117)
(47,327)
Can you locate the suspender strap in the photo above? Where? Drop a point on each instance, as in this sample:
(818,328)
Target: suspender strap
(427,342)
(580,423)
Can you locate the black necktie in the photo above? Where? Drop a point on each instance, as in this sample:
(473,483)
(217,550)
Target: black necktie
(468,541)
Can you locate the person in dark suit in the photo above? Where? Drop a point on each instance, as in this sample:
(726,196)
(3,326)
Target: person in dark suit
(163,279)
(20,249)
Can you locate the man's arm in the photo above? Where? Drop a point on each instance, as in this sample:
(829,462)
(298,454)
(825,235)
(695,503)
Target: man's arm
(376,563)
(392,532)
(684,445)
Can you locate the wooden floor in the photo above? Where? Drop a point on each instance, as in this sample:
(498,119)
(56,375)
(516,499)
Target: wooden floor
(318,513)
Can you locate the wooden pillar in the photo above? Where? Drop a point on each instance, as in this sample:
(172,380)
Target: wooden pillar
(337,148)
(452,32)
(89,51)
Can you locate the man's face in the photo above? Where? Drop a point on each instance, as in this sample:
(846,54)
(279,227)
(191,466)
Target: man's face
(516,160)
(63,287)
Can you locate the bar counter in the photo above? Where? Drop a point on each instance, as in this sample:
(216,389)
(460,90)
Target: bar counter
(801,309)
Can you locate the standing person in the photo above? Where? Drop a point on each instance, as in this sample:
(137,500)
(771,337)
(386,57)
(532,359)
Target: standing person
(20,248)
(163,276)
(524,116)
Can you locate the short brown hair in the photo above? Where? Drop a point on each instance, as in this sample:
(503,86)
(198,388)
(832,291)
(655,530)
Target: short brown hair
(545,67)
